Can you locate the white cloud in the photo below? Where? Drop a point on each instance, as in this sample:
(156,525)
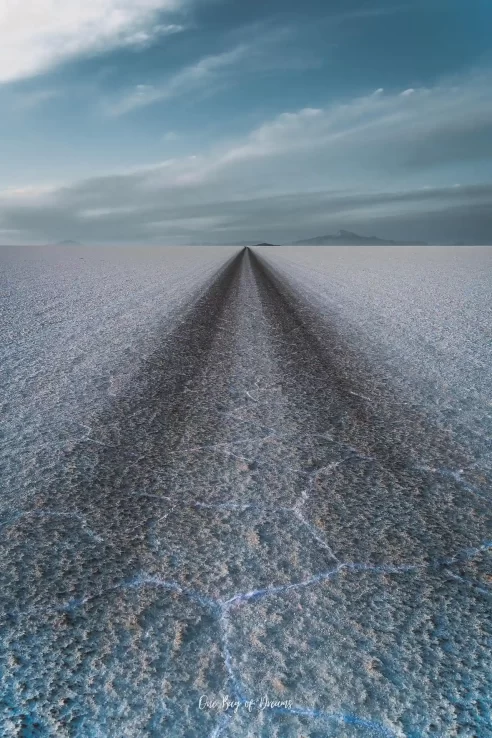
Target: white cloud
(35,35)
(384,131)
(188,79)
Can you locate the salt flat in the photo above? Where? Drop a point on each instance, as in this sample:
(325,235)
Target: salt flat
(257,478)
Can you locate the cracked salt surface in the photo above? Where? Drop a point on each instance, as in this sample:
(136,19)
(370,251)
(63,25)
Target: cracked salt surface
(234,521)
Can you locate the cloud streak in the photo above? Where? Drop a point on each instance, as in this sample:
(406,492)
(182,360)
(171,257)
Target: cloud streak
(36,35)
(187,80)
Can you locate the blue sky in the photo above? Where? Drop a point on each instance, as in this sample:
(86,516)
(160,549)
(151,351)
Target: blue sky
(177,121)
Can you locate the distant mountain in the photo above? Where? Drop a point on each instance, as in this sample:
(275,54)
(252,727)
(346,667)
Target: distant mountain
(68,242)
(266,244)
(347,238)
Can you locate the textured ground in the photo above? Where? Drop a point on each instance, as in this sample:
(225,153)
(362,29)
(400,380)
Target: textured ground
(251,493)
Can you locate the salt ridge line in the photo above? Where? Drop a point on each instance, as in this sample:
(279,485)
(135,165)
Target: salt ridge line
(143,580)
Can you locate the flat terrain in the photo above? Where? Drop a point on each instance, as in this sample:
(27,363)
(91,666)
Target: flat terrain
(246,474)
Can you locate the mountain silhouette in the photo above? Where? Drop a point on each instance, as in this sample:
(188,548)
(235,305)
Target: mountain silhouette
(347,238)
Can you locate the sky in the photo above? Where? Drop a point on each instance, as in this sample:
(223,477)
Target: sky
(222,121)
